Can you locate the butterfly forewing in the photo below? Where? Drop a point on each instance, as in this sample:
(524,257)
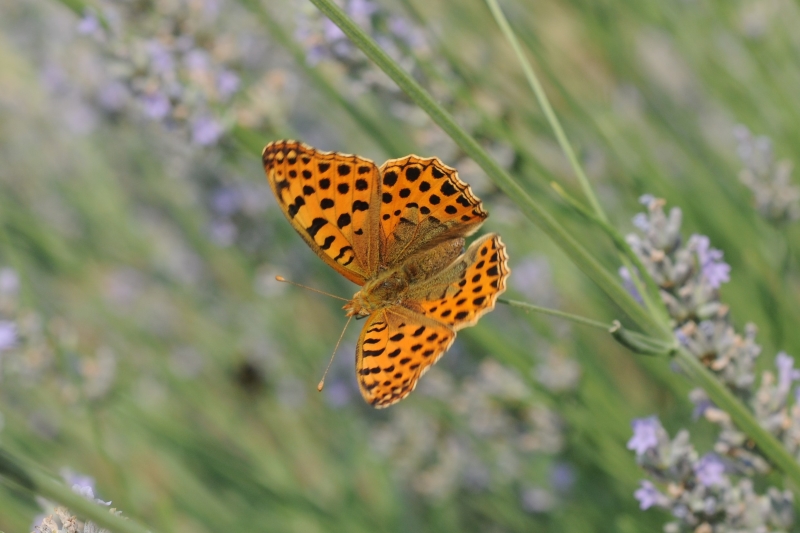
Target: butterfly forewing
(327,198)
(396,347)
(423,203)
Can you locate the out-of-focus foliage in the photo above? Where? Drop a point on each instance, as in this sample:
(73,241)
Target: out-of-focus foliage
(145,343)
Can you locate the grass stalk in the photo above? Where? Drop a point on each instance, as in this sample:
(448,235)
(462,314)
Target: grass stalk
(554,312)
(547,109)
(19,473)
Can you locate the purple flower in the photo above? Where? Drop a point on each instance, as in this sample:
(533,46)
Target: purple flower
(647,199)
(156,106)
(196,60)
(698,397)
(641,222)
(223,232)
(226,200)
(361,11)
(88,24)
(648,496)
(710,470)
(332,31)
(9,281)
(161,60)
(8,335)
(112,96)
(206,131)
(714,270)
(227,84)
(562,476)
(338,394)
(78,482)
(645,434)
(627,282)
(786,372)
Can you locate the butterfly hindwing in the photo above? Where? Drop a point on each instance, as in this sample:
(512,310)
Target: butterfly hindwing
(423,203)
(396,347)
(467,289)
(327,197)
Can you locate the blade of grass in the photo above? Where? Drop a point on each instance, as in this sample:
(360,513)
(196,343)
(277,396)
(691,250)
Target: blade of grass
(645,284)
(554,312)
(544,103)
(649,294)
(579,255)
(15,471)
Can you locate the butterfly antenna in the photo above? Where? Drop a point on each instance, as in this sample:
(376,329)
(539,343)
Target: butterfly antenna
(322,381)
(284,280)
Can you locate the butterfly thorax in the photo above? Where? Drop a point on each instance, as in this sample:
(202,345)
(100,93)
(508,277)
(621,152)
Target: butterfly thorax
(387,289)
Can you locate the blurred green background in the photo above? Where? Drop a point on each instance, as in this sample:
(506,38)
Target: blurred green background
(146,344)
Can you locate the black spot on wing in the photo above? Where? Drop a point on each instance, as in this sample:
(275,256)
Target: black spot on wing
(448,189)
(390,178)
(343,220)
(315,226)
(412,174)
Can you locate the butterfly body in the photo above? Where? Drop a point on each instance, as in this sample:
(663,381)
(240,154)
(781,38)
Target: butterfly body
(407,283)
(398,232)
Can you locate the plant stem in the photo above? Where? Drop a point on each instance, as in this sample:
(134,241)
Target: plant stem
(579,255)
(15,471)
(553,312)
(544,102)
(740,414)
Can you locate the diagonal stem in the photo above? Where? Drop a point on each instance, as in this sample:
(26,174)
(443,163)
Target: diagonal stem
(18,473)
(544,103)
(554,312)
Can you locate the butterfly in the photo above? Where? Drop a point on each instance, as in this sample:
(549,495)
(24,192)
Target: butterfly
(397,231)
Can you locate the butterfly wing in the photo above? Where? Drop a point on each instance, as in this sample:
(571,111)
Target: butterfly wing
(423,203)
(396,347)
(331,200)
(467,289)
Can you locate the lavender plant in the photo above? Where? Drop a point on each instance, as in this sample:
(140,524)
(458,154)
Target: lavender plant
(168,62)
(712,492)
(59,519)
(776,197)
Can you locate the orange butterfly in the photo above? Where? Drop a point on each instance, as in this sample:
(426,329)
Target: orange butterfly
(398,232)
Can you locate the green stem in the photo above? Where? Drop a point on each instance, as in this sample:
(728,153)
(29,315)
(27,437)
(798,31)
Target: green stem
(15,471)
(645,284)
(579,255)
(651,296)
(740,414)
(544,102)
(553,312)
